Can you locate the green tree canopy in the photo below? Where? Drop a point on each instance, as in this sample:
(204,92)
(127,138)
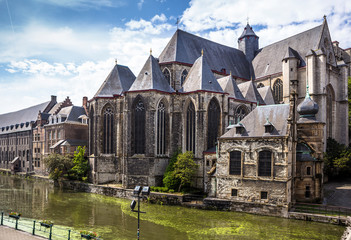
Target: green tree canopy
(57,165)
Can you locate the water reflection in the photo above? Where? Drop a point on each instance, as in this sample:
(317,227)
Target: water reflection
(113,219)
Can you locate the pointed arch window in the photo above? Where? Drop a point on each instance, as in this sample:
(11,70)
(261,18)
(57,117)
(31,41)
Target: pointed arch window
(240,113)
(213,121)
(167,75)
(91,130)
(107,142)
(139,127)
(183,77)
(278,91)
(265,163)
(190,128)
(161,129)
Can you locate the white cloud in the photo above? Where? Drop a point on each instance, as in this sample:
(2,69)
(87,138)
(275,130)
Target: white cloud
(159,18)
(279,19)
(140,4)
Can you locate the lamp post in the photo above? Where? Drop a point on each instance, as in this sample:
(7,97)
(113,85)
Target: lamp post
(145,191)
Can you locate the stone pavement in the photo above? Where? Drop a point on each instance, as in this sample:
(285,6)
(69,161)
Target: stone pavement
(7,233)
(338,193)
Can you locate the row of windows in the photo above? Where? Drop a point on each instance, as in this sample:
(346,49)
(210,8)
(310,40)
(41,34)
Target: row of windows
(162,131)
(15,141)
(54,135)
(167,75)
(264,163)
(263,194)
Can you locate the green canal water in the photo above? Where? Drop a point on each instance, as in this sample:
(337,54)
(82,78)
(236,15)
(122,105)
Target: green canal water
(112,218)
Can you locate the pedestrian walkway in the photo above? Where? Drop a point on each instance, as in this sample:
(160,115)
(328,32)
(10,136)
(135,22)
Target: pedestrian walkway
(338,193)
(7,233)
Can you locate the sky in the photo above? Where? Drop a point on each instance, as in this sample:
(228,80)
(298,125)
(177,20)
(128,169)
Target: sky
(68,47)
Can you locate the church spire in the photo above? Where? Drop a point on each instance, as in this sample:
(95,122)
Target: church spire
(248,42)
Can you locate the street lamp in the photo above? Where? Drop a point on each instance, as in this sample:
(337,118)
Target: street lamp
(145,191)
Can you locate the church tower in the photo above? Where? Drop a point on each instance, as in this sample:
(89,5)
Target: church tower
(248,42)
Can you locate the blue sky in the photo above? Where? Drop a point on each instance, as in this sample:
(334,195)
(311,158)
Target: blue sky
(68,47)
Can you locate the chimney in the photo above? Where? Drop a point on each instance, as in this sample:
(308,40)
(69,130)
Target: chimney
(85,104)
(53,99)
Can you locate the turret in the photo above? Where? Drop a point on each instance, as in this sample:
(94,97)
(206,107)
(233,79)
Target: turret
(248,42)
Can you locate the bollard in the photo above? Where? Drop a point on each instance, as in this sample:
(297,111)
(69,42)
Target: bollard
(33,233)
(50,232)
(2,218)
(69,234)
(16,227)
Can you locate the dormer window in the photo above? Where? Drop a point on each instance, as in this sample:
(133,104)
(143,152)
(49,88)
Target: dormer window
(268,127)
(239,128)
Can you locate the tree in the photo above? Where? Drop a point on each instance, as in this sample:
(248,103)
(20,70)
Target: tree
(169,179)
(81,166)
(185,168)
(337,159)
(57,165)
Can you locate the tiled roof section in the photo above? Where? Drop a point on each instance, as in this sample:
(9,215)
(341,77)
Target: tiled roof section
(248,32)
(291,53)
(72,113)
(269,59)
(200,77)
(254,122)
(20,120)
(118,81)
(250,92)
(266,94)
(186,48)
(229,85)
(151,78)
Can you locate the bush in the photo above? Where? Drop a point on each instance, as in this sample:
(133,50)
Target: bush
(169,179)
(57,165)
(337,160)
(81,165)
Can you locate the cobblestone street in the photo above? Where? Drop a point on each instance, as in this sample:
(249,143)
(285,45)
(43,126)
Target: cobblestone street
(338,193)
(7,233)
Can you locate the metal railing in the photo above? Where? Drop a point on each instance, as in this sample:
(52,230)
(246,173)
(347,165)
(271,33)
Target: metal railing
(37,228)
(320,209)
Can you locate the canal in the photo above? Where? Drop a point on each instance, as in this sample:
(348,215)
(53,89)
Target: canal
(112,218)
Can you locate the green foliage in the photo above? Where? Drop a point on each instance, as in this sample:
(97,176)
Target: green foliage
(169,180)
(185,168)
(180,171)
(58,165)
(159,189)
(81,165)
(337,160)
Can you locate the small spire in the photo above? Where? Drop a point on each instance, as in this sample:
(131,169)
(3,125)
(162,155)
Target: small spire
(247,19)
(150,51)
(202,52)
(325,17)
(307,90)
(116,61)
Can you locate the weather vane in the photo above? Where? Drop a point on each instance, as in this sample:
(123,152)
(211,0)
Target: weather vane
(177,22)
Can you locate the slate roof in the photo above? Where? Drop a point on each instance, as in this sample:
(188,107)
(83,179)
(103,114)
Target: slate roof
(72,113)
(266,94)
(200,77)
(20,120)
(254,122)
(250,92)
(248,32)
(269,59)
(151,78)
(228,84)
(186,48)
(117,82)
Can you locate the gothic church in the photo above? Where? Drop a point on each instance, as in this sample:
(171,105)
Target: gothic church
(188,97)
